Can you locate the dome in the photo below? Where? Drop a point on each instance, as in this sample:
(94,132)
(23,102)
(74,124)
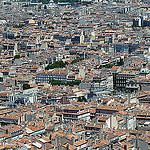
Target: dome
(145,71)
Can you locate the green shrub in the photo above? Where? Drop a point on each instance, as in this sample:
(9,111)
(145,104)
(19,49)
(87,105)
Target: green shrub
(26,86)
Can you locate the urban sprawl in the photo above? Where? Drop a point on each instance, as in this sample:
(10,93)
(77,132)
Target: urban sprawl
(75,75)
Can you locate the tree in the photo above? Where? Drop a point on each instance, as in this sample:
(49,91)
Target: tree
(82,99)
(45,7)
(19,26)
(26,86)
(25,6)
(16,56)
(77,60)
(136,128)
(85,3)
(57,64)
(120,63)
(70,83)
(44,2)
(128,91)
(106,66)
(108,25)
(51,27)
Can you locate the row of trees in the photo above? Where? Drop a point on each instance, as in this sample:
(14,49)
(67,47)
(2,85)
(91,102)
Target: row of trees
(18,26)
(57,64)
(70,83)
(56,1)
(106,66)
(77,60)
(61,64)
(16,57)
(119,63)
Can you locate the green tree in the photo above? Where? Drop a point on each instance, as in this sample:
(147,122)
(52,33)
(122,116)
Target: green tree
(136,128)
(70,83)
(45,7)
(108,25)
(18,26)
(64,19)
(51,27)
(120,63)
(16,56)
(82,99)
(44,1)
(77,60)
(26,86)
(66,13)
(25,6)
(57,64)
(85,3)
(128,91)
(106,66)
